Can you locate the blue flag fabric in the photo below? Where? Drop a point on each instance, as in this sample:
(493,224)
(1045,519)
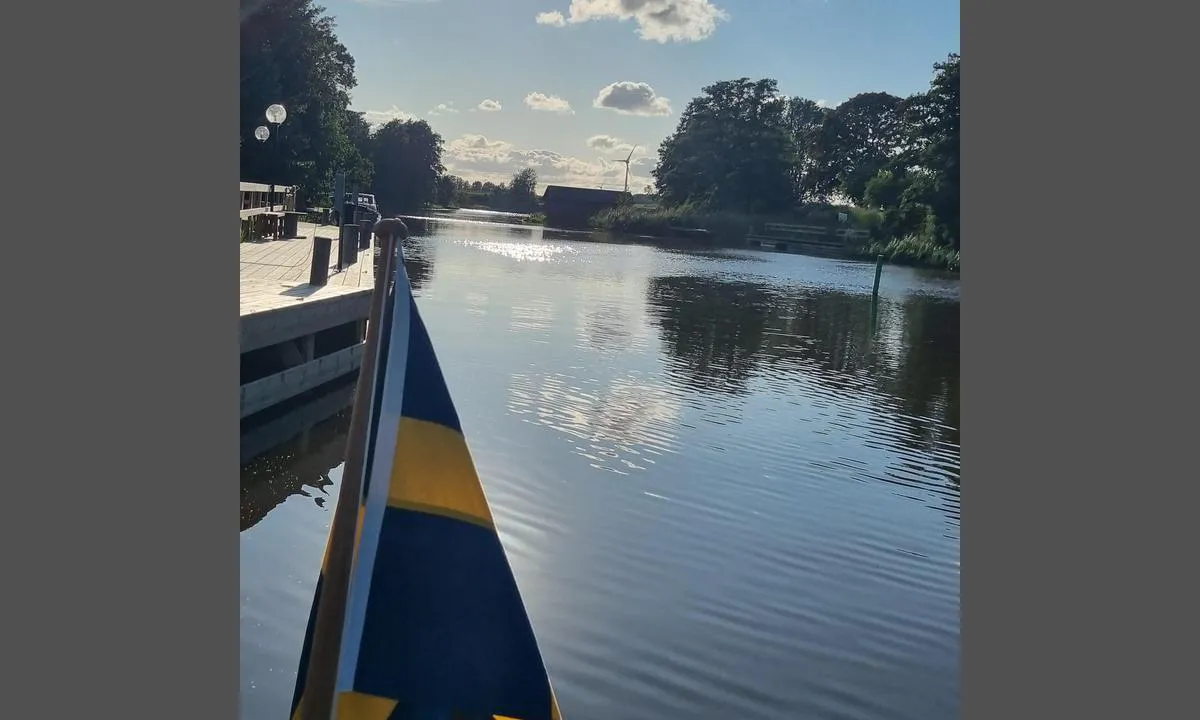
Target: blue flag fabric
(435,626)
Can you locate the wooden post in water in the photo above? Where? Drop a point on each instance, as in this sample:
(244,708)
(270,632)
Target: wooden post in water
(875,292)
(320,681)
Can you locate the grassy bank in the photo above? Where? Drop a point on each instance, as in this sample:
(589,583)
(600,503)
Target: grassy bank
(913,251)
(660,221)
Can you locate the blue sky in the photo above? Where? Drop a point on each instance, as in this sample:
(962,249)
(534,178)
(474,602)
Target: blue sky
(573,83)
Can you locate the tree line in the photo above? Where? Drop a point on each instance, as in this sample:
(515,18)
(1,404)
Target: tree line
(743,147)
(740,146)
(290,55)
(517,195)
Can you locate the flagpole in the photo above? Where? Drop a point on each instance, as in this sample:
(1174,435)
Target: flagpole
(319,686)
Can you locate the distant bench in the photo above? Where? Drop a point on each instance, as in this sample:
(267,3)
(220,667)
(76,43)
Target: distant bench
(817,230)
(261,222)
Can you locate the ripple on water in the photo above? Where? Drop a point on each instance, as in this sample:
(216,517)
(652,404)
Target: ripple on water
(722,493)
(619,427)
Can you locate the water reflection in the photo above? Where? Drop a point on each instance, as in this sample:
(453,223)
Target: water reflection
(418,261)
(721,334)
(536,316)
(712,329)
(724,492)
(606,328)
(308,444)
(617,426)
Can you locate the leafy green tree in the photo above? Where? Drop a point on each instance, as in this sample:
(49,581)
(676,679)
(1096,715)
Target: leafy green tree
(447,192)
(356,156)
(858,139)
(804,119)
(730,151)
(935,117)
(523,190)
(885,188)
(407,156)
(452,190)
(919,188)
(290,55)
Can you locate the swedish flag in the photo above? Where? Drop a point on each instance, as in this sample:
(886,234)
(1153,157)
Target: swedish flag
(434,625)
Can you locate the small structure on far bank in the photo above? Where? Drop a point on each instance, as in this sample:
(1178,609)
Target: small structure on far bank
(572,207)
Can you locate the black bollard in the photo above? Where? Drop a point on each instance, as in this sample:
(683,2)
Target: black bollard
(348,247)
(319,273)
(291,225)
(364,233)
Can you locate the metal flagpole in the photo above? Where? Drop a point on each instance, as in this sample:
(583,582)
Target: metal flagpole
(318,700)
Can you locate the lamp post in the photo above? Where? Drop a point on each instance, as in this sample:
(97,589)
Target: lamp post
(261,133)
(276,114)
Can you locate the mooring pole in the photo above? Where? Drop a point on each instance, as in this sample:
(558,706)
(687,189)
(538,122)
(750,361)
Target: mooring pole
(875,293)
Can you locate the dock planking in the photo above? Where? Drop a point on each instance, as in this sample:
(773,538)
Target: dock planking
(274,273)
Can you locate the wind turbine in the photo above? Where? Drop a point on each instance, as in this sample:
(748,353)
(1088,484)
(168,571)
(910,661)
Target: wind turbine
(626,161)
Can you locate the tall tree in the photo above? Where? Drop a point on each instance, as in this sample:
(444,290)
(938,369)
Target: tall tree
(858,139)
(290,55)
(447,191)
(919,188)
(452,190)
(935,115)
(730,151)
(407,156)
(523,190)
(804,120)
(360,171)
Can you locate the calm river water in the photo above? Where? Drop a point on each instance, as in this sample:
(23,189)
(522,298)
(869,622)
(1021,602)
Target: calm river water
(723,495)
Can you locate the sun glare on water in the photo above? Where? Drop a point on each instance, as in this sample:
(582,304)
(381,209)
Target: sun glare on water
(524,251)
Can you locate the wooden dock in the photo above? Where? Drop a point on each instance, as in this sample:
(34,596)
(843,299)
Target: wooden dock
(806,239)
(297,337)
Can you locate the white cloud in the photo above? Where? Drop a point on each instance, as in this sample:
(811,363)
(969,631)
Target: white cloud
(444,109)
(632,98)
(607,143)
(548,103)
(658,20)
(476,157)
(489,105)
(375,118)
(553,18)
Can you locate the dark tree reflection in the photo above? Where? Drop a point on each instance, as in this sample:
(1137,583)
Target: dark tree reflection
(721,334)
(418,262)
(713,329)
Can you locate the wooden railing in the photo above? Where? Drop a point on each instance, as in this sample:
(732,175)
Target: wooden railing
(820,232)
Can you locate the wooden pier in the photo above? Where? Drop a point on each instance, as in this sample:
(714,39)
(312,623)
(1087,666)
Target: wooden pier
(296,337)
(806,239)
